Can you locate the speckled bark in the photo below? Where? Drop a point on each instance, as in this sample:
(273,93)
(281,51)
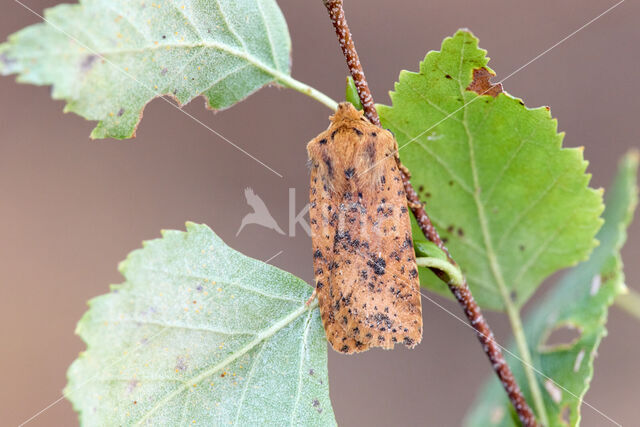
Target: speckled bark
(336,13)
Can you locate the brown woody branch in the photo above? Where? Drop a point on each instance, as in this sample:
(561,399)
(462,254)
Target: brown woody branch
(336,13)
(462,293)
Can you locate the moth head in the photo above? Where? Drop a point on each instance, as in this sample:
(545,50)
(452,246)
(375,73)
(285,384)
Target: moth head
(346,111)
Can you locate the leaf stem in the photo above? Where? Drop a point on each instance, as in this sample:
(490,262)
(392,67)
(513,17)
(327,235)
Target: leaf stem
(527,363)
(460,290)
(452,271)
(630,303)
(291,83)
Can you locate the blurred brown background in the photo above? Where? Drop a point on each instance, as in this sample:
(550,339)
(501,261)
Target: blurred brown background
(71,208)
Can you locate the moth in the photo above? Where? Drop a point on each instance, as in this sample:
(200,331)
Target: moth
(366,278)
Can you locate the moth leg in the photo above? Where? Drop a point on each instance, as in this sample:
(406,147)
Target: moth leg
(402,167)
(414,205)
(313,296)
(396,155)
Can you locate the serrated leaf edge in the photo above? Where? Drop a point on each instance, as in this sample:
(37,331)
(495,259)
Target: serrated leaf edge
(259,337)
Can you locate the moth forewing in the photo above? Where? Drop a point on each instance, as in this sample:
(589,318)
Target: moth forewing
(365,270)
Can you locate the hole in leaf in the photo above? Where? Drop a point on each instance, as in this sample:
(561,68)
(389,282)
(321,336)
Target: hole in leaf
(554,391)
(497,414)
(565,415)
(578,362)
(595,284)
(560,338)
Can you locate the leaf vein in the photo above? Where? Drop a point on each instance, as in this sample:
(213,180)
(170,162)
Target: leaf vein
(303,345)
(222,281)
(178,326)
(263,335)
(248,381)
(542,248)
(268,31)
(523,213)
(431,103)
(230,27)
(444,164)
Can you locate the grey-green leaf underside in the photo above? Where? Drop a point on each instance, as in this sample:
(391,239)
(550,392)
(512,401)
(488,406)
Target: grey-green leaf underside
(580,301)
(109,58)
(200,334)
(512,204)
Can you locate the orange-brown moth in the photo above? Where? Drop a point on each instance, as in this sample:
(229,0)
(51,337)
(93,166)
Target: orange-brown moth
(365,269)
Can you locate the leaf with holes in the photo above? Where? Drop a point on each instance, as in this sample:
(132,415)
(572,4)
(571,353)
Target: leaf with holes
(512,204)
(200,333)
(109,58)
(579,302)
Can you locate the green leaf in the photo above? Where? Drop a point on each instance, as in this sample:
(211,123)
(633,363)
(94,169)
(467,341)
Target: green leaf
(513,204)
(351,94)
(109,58)
(425,248)
(201,334)
(579,301)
